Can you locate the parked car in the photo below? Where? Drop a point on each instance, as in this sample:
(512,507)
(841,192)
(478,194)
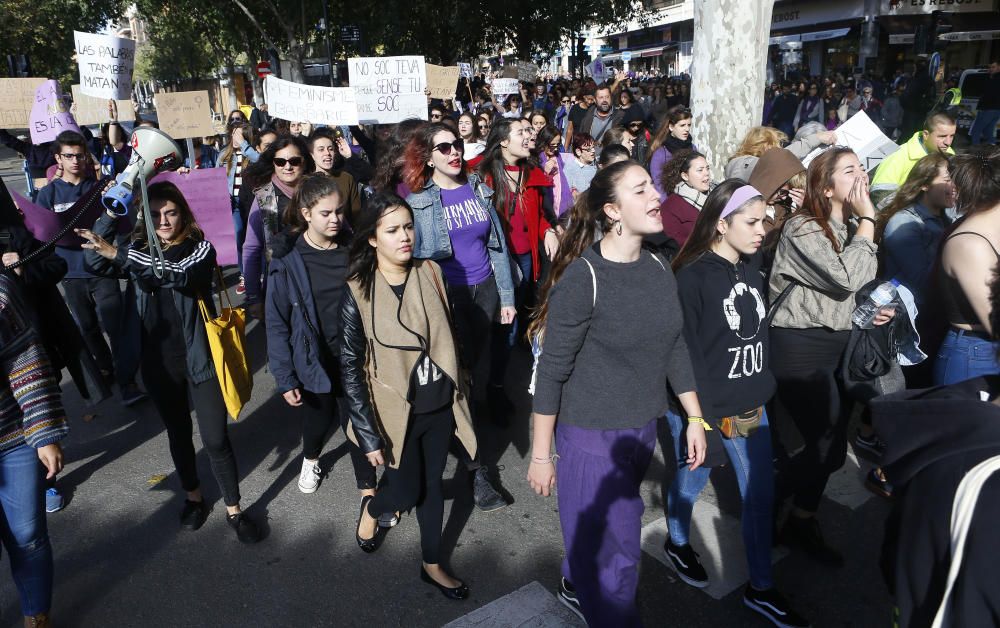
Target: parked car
(972,83)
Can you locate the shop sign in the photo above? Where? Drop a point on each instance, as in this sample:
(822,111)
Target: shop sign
(920,7)
(795,14)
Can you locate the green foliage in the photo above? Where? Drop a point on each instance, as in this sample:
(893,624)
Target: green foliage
(43,29)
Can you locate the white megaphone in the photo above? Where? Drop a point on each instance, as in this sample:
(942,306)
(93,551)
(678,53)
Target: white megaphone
(153,152)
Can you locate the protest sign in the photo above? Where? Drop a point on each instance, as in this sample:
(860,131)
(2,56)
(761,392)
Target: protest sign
(465,69)
(50,115)
(509,71)
(527,71)
(505,86)
(184,114)
(598,70)
(865,138)
(44,224)
(335,106)
(389,89)
(17,97)
(89,110)
(441,81)
(207,192)
(105,65)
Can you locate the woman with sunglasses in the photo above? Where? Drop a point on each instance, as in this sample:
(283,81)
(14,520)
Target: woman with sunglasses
(236,116)
(458,227)
(236,158)
(550,141)
(275,178)
(674,135)
(468,129)
(580,170)
(561,117)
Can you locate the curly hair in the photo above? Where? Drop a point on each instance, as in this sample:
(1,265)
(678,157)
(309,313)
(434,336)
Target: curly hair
(670,176)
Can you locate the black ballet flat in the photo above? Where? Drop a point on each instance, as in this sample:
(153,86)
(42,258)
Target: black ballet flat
(458,593)
(367,545)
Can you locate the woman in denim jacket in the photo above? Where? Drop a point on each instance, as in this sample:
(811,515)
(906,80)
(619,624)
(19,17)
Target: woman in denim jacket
(456,226)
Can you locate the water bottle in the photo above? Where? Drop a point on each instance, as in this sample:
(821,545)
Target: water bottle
(883,295)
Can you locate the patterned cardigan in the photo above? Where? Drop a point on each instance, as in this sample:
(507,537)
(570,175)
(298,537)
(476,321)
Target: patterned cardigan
(31,409)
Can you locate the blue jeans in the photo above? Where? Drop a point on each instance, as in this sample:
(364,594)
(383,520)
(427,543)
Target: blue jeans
(984,128)
(23,529)
(753,463)
(239,229)
(964,355)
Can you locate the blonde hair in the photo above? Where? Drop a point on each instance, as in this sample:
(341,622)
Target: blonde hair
(759,140)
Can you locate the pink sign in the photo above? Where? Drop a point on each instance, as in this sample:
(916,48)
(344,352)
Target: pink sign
(45,224)
(49,115)
(207,192)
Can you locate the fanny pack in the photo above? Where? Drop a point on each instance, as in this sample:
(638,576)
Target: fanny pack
(741,425)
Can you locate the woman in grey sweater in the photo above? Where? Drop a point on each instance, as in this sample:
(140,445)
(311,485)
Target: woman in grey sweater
(612,328)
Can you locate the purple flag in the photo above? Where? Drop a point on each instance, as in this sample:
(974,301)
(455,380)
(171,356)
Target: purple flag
(207,192)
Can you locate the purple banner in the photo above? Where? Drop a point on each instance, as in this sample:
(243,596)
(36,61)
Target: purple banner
(207,192)
(49,114)
(44,224)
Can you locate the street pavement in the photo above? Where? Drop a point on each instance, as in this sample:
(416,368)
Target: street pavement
(121,558)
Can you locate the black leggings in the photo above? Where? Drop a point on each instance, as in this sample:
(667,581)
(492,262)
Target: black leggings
(318,412)
(98,307)
(417,480)
(810,400)
(168,387)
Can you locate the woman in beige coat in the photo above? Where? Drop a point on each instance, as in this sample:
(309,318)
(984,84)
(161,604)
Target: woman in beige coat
(405,391)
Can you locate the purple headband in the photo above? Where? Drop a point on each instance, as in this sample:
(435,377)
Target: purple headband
(740,196)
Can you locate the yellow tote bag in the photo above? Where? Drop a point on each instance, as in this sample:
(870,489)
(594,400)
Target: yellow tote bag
(227,341)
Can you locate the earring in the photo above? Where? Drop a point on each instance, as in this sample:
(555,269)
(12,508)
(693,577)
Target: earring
(618,226)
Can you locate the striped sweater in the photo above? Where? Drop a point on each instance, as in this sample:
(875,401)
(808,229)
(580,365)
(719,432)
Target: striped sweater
(31,408)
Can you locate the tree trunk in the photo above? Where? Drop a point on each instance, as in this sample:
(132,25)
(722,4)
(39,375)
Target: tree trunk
(728,74)
(231,73)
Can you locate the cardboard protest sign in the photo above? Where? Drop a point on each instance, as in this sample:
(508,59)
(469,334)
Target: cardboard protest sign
(441,81)
(50,114)
(286,100)
(389,89)
(506,86)
(509,71)
(465,69)
(17,97)
(105,64)
(207,192)
(526,71)
(865,138)
(89,110)
(184,114)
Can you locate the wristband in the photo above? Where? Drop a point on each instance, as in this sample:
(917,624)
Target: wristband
(869,219)
(703,422)
(547,460)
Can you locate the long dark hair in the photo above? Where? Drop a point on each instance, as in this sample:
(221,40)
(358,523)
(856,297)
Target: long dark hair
(313,188)
(261,172)
(491,168)
(390,156)
(705,230)
(675,114)
(976,175)
(364,260)
(474,136)
(816,205)
(921,176)
(586,215)
(167,191)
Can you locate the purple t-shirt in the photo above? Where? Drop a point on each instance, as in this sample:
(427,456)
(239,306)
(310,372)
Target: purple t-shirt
(469,228)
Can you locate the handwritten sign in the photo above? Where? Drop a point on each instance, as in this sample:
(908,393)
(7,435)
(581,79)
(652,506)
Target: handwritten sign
(50,115)
(184,114)
(441,81)
(105,65)
(207,193)
(864,137)
(465,69)
(389,89)
(526,71)
(286,100)
(506,86)
(17,97)
(89,110)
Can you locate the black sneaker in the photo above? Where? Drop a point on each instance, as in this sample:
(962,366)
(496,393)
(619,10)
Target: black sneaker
(870,447)
(486,496)
(567,595)
(774,607)
(876,482)
(805,534)
(686,564)
(246,530)
(193,514)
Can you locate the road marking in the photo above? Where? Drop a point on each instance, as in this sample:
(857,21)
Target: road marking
(531,605)
(718,539)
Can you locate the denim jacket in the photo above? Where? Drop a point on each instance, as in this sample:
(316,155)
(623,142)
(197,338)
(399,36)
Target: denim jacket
(433,242)
(910,245)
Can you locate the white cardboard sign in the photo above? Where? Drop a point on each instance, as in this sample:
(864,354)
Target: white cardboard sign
(862,136)
(389,89)
(335,106)
(105,64)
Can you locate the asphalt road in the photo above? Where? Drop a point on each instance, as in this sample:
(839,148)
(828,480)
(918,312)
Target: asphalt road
(122,560)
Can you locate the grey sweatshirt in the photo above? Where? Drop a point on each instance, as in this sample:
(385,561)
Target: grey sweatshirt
(606,363)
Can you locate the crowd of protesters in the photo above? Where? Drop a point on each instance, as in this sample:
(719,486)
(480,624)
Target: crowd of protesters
(397,268)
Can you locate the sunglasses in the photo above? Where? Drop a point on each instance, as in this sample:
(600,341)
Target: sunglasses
(235,120)
(565,101)
(435,116)
(294,162)
(446,148)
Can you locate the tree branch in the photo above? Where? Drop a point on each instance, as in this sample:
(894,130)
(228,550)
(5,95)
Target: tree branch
(253,20)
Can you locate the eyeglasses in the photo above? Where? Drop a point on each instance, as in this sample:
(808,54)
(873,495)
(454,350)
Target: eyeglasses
(588,149)
(446,148)
(74,156)
(294,162)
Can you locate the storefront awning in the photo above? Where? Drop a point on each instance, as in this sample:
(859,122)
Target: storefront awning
(832,33)
(654,51)
(970,36)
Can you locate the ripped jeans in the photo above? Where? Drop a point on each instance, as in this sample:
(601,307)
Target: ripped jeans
(23,529)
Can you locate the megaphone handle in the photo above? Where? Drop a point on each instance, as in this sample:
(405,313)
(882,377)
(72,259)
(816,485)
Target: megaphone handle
(158,263)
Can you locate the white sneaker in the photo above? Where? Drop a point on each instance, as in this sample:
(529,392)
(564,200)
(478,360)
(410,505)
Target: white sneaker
(309,476)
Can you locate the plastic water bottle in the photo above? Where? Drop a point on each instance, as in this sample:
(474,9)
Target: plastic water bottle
(864,315)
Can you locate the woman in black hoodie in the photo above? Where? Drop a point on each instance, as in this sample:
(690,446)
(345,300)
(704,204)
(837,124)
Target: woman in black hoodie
(725,325)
